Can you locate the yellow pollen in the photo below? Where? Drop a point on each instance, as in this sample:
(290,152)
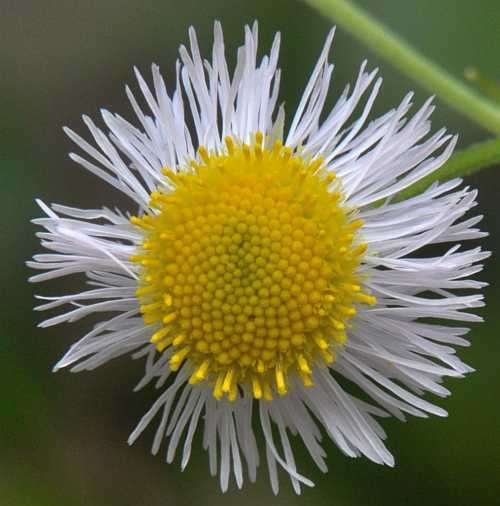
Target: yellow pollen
(249,268)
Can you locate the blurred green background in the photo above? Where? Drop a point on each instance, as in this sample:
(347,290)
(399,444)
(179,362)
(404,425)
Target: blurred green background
(63,436)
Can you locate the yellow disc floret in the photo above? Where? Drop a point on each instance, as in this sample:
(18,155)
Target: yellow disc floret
(249,268)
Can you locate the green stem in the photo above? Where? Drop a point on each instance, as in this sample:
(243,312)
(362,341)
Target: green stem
(462,163)
(393,48)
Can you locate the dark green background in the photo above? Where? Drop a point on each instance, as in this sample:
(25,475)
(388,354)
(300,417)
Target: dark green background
(63,436)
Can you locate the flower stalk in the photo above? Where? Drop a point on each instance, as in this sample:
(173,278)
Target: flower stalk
(388,45)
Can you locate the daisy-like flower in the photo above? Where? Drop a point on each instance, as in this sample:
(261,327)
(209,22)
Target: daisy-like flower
(262,271)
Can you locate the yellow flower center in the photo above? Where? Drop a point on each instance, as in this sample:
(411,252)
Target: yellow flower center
(248,268)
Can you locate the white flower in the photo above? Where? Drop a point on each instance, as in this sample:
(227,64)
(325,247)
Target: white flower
(263,271)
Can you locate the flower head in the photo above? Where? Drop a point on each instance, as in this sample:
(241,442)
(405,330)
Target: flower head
(263,271)
(249,267)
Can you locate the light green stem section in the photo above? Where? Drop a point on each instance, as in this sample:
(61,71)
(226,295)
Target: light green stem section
(462,163)
(399,53)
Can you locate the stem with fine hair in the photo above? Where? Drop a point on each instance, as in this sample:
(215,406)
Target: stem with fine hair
(462,163)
